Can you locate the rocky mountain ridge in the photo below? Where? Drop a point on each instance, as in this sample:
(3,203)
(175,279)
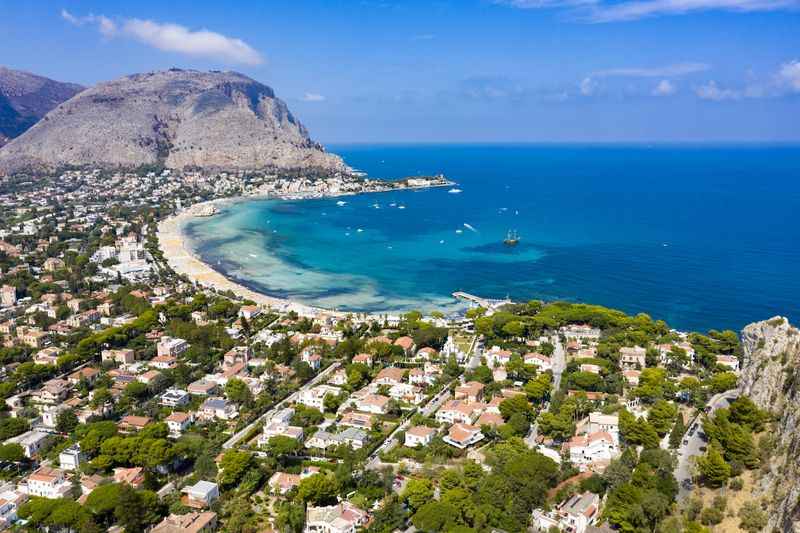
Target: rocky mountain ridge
(25,98)
(181,119)
(771,378)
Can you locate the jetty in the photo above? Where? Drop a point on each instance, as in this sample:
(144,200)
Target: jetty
(487,303)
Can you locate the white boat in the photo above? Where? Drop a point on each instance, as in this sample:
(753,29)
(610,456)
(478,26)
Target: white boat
(455,191)
(401,207)
(340,203)
(359,230)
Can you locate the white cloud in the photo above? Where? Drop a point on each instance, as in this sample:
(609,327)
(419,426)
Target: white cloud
(313,97)
(597,11)
(664,88)
(173,38)
(677,69)
(789,75)
(635,10)
(711,91)
(105,25)
(588,86)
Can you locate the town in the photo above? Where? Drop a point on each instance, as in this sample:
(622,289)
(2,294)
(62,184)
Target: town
(137,400)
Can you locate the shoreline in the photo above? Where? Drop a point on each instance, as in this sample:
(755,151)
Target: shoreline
(178,255)
(172,241)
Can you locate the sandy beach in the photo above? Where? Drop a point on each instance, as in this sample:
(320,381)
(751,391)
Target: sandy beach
(180,258)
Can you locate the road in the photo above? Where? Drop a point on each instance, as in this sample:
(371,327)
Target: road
(374,462)
(559,363)
(683,470)
(231,442)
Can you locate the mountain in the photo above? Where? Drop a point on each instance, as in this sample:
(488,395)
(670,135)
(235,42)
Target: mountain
(178,118)
(771,378)
(25,98)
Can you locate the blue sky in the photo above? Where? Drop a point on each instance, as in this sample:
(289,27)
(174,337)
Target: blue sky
(465,71)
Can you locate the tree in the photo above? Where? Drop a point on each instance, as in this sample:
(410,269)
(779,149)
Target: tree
(281,445)
(103,500)
(11,427)
(418,492)
(238,392)
(319,489)
(676,435)
(233,466)
(722,381)
(129,510)
(516,404)
(752,518)
(712,466)
(66,421)
(11,453)
(434,516)
(661,415)
(538,388)
(743,411)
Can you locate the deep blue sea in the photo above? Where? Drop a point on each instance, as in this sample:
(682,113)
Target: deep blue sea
(701,236)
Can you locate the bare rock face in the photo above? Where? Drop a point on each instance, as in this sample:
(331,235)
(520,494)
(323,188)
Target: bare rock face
(25,98)
(178,118)
(771,377)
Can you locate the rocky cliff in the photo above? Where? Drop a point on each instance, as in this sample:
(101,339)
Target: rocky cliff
(25,98)
(771,377)
(178,118)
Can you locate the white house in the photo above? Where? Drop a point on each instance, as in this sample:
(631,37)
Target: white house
(175,398)
(30,441)
(171,346)
(202,494)
(592,451)
(419,436)
(218,408)
(341,518)
(373,403)
(463,435)
(315,397)
(728,361)
(178,422)
(71,458)
(46,482)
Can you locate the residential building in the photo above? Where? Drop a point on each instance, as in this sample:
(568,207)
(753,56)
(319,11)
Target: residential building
(178,422)
(46,482)
(341,518)
(469,392)
(315,397)
(200,495)
(593,451)
(729,361)
(193,522)
(171,346)
(632,357)
(123,356)
(218,408)
(175,398)
(419,436)
(71,458)
(463,435)
(373,403)
(30,441)
(132,476)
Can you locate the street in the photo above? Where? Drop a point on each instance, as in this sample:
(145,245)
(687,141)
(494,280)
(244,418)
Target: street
(683,470)
(231,442)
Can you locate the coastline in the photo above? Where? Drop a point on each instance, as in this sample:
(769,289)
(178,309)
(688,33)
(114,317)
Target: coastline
(173,244)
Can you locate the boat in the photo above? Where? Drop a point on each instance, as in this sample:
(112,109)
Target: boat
(455,191)
(512,238)
(340,203)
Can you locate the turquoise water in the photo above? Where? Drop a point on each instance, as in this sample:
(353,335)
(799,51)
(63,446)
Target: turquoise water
(700,236)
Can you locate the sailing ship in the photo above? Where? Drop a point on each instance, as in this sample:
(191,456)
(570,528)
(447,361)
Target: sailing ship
(512,238)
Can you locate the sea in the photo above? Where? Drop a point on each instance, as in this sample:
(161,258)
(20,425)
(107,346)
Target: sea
(701,236)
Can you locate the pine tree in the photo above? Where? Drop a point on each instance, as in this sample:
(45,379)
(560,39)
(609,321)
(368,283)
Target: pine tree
(678,430)
(713,467)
